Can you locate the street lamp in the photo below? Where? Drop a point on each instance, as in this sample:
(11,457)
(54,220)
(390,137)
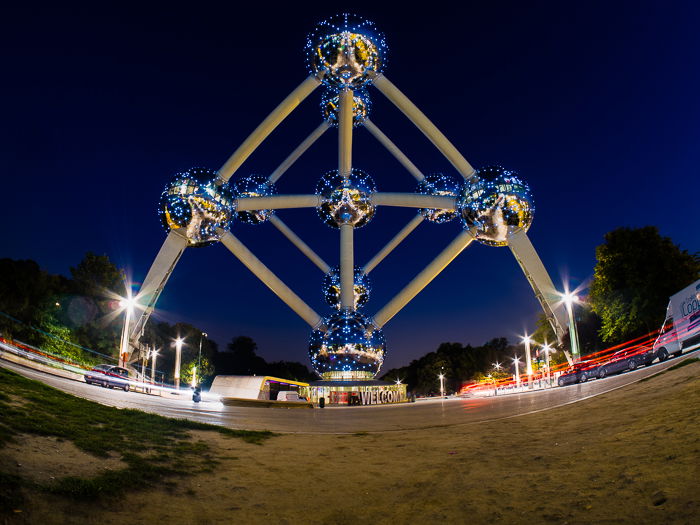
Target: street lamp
(547,349)
(127,304)
(199,359)
(569,300)
(442,385)
(154,354)
(528,359)
(516,362)
(497,365)
(178,353)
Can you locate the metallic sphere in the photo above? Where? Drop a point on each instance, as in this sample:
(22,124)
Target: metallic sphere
(346,51)
(496,204)
(331,287)
(330,106)
(348,347)
(254,186)
(197,206)
(346,201)
(439,184)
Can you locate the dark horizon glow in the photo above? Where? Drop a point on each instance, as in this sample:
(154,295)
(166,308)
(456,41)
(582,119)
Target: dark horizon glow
(595,106)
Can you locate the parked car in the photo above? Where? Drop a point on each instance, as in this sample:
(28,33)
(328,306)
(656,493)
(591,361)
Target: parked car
(627,359)
(578,373)
(108,376)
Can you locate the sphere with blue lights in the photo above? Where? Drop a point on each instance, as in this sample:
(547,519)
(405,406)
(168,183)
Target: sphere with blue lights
(346,200)
(197,203)
(442,185)
(495,205)
(347,346)
(330,106)
(331,287)
(346,51)
(254,186)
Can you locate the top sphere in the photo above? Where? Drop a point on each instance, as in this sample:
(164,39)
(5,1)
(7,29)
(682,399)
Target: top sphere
(496,204)
(254,186)
(345,51)
(195,204)
(441,185)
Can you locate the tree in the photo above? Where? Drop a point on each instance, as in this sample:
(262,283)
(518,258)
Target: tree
(636,271)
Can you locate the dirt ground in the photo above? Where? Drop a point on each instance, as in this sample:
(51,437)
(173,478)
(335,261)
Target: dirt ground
(629,456)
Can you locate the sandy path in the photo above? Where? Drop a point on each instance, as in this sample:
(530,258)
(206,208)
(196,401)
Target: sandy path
(608,459)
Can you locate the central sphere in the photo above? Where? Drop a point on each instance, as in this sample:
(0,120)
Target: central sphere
(330,106)
(254,186)
(197,203)
(349,346)
(346,201)
(441,185)
(345,51)
(331,287)
(495,205)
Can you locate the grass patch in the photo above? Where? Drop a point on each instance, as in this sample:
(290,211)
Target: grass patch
(684,363)
(153,447)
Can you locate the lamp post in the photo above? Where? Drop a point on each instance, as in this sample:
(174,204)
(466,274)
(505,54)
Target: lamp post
(528,360)
(547,349)
(154,354)
(516,362)
(178,353)
(442,385)
(569,300)
(128,305)
(199,358)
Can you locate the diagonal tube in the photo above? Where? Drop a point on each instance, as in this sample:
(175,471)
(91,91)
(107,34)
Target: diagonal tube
(156,278)
(299,151)
(422,122)
(393,149)
(270,280)
(267,126)
(393,243)
(296,241)
(421,280)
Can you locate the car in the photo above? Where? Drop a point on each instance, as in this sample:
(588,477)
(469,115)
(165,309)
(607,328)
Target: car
(108,376)
(627,359)
(578,373)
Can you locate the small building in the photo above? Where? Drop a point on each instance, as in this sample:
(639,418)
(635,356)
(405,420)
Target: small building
(263,388)
(357,392)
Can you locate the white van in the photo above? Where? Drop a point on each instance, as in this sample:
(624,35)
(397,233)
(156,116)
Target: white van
(681,329)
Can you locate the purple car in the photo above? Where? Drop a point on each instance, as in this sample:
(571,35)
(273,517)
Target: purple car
(108,376)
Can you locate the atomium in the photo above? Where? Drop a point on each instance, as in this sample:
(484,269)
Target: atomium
(197,203)
(330,106)
(348,345)
(439,184)
(254,186)
(346,51)
(495,205)
(346,201)
(331,287)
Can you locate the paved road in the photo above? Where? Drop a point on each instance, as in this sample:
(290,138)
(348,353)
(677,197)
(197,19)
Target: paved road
(422,414)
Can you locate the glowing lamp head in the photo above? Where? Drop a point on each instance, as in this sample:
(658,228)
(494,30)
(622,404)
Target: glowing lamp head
(346,201)
(495,205)
(349,346)
(330,106)
(254,186)
(197,203)
(331,287)
(345,51)
(441,185)
(569,298)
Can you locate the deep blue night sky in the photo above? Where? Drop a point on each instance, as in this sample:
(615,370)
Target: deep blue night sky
(595,104)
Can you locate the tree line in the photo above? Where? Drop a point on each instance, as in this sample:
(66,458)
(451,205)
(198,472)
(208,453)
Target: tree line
(78,317)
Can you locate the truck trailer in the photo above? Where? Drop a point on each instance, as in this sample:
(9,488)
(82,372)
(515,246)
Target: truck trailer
(681,329)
